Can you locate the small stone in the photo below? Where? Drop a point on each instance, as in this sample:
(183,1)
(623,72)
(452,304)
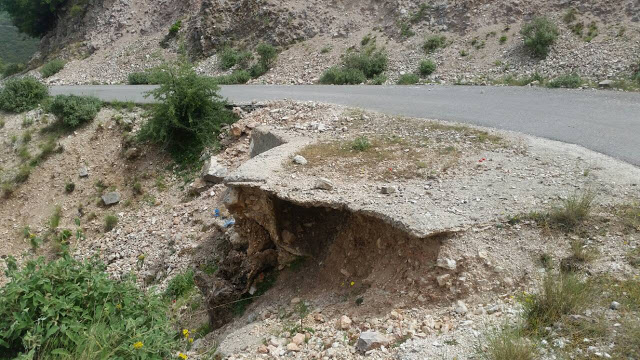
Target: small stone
(300,160)
(111,198)
(461,308)
(443,280)
(83,172)
(445,263)
(345,322)
(298,339)
(323,184)
(295,301)
(370,340)
(614,305)
(388,189)
(263,349)
(292,347)
(213,171)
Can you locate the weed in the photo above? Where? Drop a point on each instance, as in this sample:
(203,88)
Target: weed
(366,40)
(175,27)
(379,79)
(110,222)
(630,216)
(69,187)
(427,67)
(570,81)
(341,76)
(236,77)
(137,188)
(419,15)
(52,67)
(539,35)
(546,260)
(26,136)
(464,53)
(23,174)
(434,43)
(573,211)
(508,344)
(405,30)
(180,285)
(561,295)
(581,252)
(325,49)
(570,16)
(54,219)
(1,123)
(361,143)
(503,39)
(408,79)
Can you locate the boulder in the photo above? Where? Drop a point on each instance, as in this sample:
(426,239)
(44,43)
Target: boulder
(213,171)
(111,198)
(370,340)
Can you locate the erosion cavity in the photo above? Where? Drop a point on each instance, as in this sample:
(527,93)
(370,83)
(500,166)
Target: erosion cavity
(342,251)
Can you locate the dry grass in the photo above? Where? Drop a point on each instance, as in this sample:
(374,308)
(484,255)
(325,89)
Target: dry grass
(508,344)
(630,216)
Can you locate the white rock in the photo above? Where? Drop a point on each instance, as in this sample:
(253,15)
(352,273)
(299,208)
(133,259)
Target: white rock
(445,263)
(300,160)
(370,340)
(345,322)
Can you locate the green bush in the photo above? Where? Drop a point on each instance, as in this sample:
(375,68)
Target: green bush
(34,17)
(268,54)
(503,39)
(427,67)
(539,35)
(408,79)
(228,58)
(341,76)
(570,81)
(12,69)
(173,30)
(180,285)
(22,94)
(434,43)
(190,113)
(153,76)
(236,77)
(73,111)
(379,79)
(66,309)
(52,67)
(258,70)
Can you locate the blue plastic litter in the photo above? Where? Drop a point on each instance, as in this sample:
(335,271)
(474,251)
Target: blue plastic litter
(229,223)
(216,213)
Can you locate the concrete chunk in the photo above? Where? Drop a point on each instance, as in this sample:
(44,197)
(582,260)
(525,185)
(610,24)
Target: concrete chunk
(213,171)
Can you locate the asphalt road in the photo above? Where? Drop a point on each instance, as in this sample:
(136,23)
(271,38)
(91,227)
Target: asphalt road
(604,121)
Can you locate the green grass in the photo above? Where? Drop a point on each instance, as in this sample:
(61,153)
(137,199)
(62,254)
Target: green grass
(568,81)
(507,344)
(110,222)
(180,285)
(433,43)
(427,67)
(361,143)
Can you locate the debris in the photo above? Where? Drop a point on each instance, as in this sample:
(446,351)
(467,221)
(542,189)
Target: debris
(370,340)
(213,171)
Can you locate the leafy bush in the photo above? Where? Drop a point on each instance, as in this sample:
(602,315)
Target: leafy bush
(180,285)
(228,58)
(434,43)
(73,110)
(427,67)
(570,81)
(342,76)
(408,79)
(539,35)
(236,77)
(258,70)
(190,114)
(66,309)
(153,76)
(22,94)
(52,67)
(12,69)
(268,54)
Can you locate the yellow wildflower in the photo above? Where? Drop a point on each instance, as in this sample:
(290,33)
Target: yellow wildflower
(190,340)
(185,332)
(141,257)
(182,356)
(119,306)
(352,283)
(138,345)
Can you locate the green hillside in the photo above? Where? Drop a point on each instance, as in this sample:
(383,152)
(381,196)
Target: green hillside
(14,47)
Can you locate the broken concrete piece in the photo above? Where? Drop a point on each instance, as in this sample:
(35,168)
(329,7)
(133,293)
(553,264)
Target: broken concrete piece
(213,171)
(323,184)
(262,140)
(111,198)
(370,340)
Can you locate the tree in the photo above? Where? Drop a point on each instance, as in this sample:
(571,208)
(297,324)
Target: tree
(34,17)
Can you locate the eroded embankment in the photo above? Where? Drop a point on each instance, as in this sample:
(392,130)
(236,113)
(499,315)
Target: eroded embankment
(340,249)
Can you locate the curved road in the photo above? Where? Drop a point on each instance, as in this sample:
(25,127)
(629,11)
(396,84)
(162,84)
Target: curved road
(604,121)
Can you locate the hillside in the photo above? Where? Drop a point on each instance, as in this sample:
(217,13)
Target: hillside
(14,47)
(597,40)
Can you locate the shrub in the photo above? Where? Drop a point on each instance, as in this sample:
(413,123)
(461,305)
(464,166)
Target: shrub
(228,58)
(341,76)
(573,211)
(434,43)
(52,67)
(180,285)
(72,310)
(427,67)
(539,35)
(69,187)
(173,30)
(361,143)
(408,79)
(258,70)
(268,54)
(22,94)
(561,295)
(73,111)
(236,77)
(138,78)
(190,113)
(503,39)
(110,222)
(379,79)
(12,69)
(370,60)
(570,81)
(153,76)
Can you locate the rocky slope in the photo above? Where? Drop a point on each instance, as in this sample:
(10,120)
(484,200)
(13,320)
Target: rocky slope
(116,37)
